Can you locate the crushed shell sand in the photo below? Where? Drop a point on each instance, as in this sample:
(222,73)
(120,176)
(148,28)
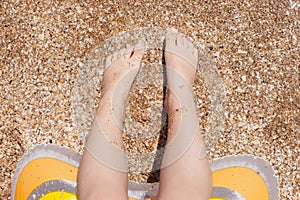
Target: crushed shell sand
(254,45)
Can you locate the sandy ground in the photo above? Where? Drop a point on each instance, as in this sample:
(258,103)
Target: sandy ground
(254,46)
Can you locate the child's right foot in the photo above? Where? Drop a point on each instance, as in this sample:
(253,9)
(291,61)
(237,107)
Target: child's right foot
(181,57)
(183,175)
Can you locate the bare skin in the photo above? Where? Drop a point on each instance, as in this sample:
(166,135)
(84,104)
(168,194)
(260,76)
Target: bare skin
(188,176)
(99,178)
(185,173)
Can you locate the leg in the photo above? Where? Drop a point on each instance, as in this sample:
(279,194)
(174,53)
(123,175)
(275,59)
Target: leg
(103,168)
(185,173)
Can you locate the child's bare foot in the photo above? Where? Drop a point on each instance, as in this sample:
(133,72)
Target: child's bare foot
(184,174)
(104,161)
(181,61)
(120,71)
(106,134)
(181,57)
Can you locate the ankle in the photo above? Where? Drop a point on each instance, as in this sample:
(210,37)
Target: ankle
(179,101)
